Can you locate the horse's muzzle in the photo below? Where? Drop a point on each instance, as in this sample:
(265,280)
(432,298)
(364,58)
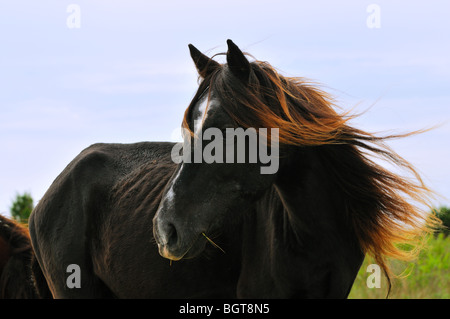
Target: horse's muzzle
(166,236)
(170,243)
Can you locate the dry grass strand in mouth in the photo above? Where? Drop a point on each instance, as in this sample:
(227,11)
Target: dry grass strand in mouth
(213,243)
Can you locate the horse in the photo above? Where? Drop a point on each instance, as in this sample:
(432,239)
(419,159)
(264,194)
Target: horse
(141,223)
(17,263)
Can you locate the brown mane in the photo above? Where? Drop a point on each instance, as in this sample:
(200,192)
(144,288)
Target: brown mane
(385,208)
(16,254)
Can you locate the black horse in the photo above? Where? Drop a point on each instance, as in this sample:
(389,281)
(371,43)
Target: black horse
(301,231)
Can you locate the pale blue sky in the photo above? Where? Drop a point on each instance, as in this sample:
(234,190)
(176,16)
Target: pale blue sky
(126,74)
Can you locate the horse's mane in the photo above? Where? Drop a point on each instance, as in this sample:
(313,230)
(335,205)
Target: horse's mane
(385,208)
(15,276)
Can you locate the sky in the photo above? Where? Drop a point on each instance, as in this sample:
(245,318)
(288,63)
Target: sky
(74,73)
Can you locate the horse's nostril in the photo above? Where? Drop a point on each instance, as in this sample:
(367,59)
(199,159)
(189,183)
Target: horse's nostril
(171,234)
(165,233)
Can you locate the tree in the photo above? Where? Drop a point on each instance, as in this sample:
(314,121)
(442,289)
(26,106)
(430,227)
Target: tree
(22,207)
(443,213)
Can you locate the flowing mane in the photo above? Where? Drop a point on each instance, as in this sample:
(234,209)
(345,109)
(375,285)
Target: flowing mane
(385,209)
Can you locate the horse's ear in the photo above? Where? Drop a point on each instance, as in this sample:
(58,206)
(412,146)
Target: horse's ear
(237,62)
(204,64)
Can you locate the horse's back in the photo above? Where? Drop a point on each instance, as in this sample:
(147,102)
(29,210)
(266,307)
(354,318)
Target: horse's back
(71,213)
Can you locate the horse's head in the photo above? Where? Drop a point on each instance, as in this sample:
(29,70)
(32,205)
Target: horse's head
(224,167)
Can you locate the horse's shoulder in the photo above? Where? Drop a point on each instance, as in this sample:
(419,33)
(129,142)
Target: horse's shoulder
(92,160)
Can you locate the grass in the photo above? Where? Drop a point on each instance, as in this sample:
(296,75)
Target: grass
(426,278)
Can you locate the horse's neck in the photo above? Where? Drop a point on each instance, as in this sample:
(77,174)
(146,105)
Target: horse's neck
(313,204)
(300,232)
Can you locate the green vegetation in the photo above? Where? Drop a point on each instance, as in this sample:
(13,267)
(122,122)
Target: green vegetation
(426,278)
(444,214)
(22,207)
